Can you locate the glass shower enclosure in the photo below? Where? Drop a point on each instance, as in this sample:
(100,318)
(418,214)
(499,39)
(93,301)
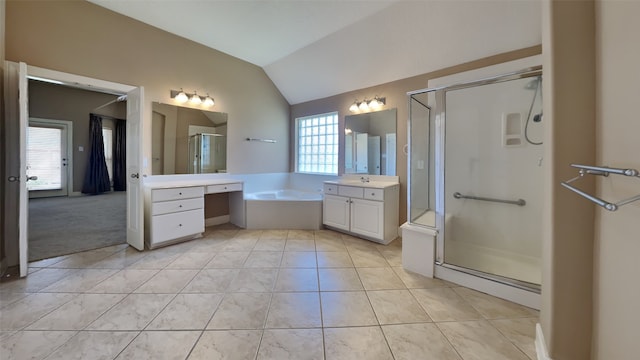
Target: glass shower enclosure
(475,170)
(207,153)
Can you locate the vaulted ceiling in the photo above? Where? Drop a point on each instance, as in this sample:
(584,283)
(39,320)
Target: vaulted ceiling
(317,48)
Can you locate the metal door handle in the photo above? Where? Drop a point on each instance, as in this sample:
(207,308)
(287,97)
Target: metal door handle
(34,178)
(135,176)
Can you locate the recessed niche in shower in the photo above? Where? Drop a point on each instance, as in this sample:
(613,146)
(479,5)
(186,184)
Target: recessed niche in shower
(511,129)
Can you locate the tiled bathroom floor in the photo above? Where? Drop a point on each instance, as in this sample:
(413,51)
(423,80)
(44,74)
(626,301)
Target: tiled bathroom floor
(241,294)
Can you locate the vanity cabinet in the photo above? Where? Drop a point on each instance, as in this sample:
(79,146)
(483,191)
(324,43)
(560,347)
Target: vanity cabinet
(173,214)
(368,212)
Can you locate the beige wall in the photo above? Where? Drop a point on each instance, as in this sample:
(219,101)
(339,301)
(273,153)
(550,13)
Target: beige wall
(3,263)
(54,102)
(81,38)
(396,95)
(617,235)
(569,93)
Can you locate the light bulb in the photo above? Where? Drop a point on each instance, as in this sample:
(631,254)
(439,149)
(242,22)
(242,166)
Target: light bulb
(363,106)
(208,101)
(181,97)
(354,107)
(195,99)
(375,104)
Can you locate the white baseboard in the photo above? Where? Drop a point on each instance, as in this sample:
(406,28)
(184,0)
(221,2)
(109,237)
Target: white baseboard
(541,346)
(218,220)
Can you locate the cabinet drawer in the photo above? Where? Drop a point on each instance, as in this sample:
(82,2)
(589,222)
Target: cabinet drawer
(212,189)
(176,193)
(331,189)
(374,194)
(350,191)
(173,226)
(167,207)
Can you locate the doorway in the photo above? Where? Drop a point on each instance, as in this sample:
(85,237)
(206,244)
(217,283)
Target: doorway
(49,157)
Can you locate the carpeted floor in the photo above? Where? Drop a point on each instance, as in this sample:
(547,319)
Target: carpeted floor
(65,225)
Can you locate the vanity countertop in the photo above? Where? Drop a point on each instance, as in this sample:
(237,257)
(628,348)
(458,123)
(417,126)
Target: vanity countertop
(371,181)
(189,183)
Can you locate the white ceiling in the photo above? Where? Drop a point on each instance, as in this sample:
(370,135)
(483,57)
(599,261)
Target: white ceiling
(317,48)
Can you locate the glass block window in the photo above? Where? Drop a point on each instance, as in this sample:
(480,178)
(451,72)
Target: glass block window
(317,144)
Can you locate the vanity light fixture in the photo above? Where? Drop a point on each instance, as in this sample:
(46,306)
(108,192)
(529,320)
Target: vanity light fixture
(181,97)
(367,105)
(195,99)
(208,101)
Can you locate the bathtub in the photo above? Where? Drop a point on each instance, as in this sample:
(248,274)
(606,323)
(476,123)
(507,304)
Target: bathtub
(283,209)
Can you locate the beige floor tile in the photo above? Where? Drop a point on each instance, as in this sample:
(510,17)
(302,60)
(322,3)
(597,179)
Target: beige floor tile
(330,244)
(349,308)
(123,282)
(294,310)
(380,279)
(154,345)
(362,258)
(82,260)
(393,256)
(275,234)
(342,279)
(191,260)
(240,244)
(478,340)
(7,298)
(80,280)
(31,308)
(241,311)
(121,259)
(417,281)
(396,307)
(33,344)
(297,280)
(271,244)
(210,245)
(167,282)
(155,260)
(134,312)
(299,259)
(77,313)
(300,245)
(521,332)
(228,259)
(264,259)
(187,312)
(300,235)
(37,281)
(291,344)
(492,307)
(418,341)
(334,259)
(327,234)
(246,234)
(254,280)
(443,304)
(94,345)
(227,345)
(356,343)
(46,262)
(211,281)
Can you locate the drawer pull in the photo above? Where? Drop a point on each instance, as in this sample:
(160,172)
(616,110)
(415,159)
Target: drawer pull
(373,194)
(180,225)
(179,193)
(180,206)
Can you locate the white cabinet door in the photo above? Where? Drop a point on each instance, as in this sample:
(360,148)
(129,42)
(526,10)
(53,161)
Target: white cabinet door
(367,218)
(336,212)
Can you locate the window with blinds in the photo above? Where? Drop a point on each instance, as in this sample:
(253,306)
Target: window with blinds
(44,158)
(317,144)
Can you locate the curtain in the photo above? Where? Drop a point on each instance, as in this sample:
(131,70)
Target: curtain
(96,177)
(120,156)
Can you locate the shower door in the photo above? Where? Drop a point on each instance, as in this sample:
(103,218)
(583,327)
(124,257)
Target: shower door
(492,183)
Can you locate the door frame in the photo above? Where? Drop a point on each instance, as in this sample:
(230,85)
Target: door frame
(68,128)
(135,237)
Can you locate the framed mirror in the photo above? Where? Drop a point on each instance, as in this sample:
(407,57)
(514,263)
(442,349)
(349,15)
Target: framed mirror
(370,143)
(187,141)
